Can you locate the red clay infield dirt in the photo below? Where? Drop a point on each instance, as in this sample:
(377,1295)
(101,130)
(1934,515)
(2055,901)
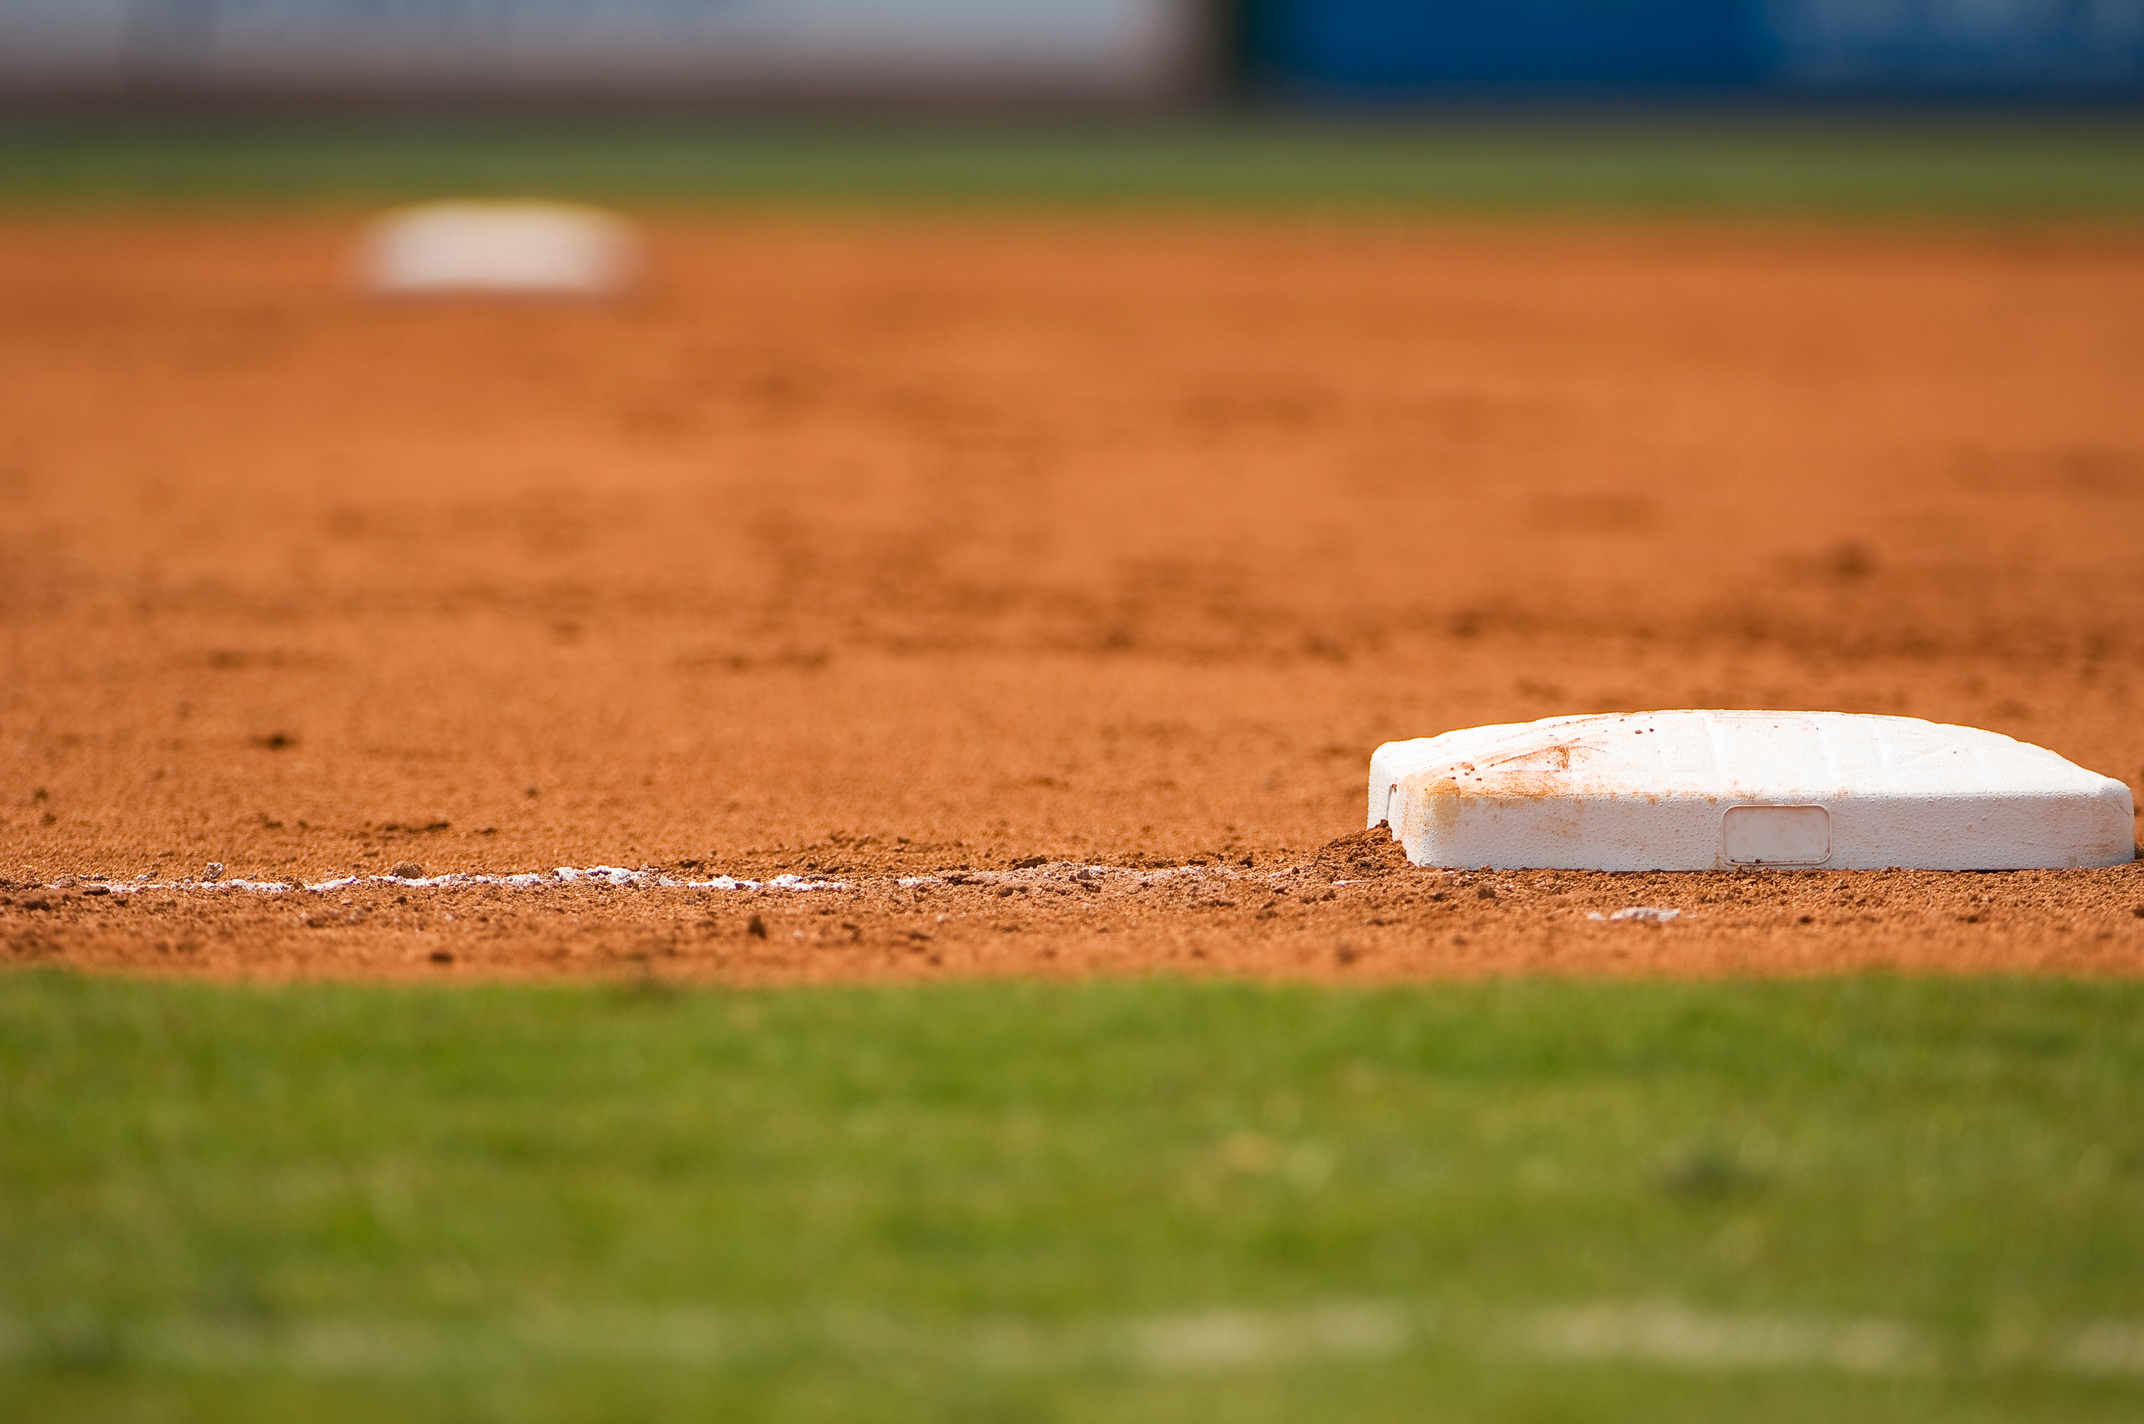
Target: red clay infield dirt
(924,547)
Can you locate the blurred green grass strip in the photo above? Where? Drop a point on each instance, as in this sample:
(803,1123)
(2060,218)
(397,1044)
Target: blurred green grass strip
(1988,164)
(1840,1199)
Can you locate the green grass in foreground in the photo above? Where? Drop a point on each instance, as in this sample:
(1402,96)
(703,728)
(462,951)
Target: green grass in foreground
(1987,165)
(1845,1199)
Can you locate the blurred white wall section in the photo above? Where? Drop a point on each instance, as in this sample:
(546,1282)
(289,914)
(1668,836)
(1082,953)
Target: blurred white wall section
(1104,50)
(64,42)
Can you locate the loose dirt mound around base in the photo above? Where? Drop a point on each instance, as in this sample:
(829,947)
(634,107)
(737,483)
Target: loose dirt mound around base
(885,549)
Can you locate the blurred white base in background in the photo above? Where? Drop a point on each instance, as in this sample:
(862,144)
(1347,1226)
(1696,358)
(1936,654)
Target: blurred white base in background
(502,248)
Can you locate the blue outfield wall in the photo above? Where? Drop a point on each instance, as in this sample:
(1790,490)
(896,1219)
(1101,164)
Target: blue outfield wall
(1397,49)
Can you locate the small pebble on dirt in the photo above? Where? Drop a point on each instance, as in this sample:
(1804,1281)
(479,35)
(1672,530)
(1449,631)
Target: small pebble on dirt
(213,871)
(409,870)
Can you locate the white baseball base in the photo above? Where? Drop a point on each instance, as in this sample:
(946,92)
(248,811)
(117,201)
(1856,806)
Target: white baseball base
(501,248)
(1714,790)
